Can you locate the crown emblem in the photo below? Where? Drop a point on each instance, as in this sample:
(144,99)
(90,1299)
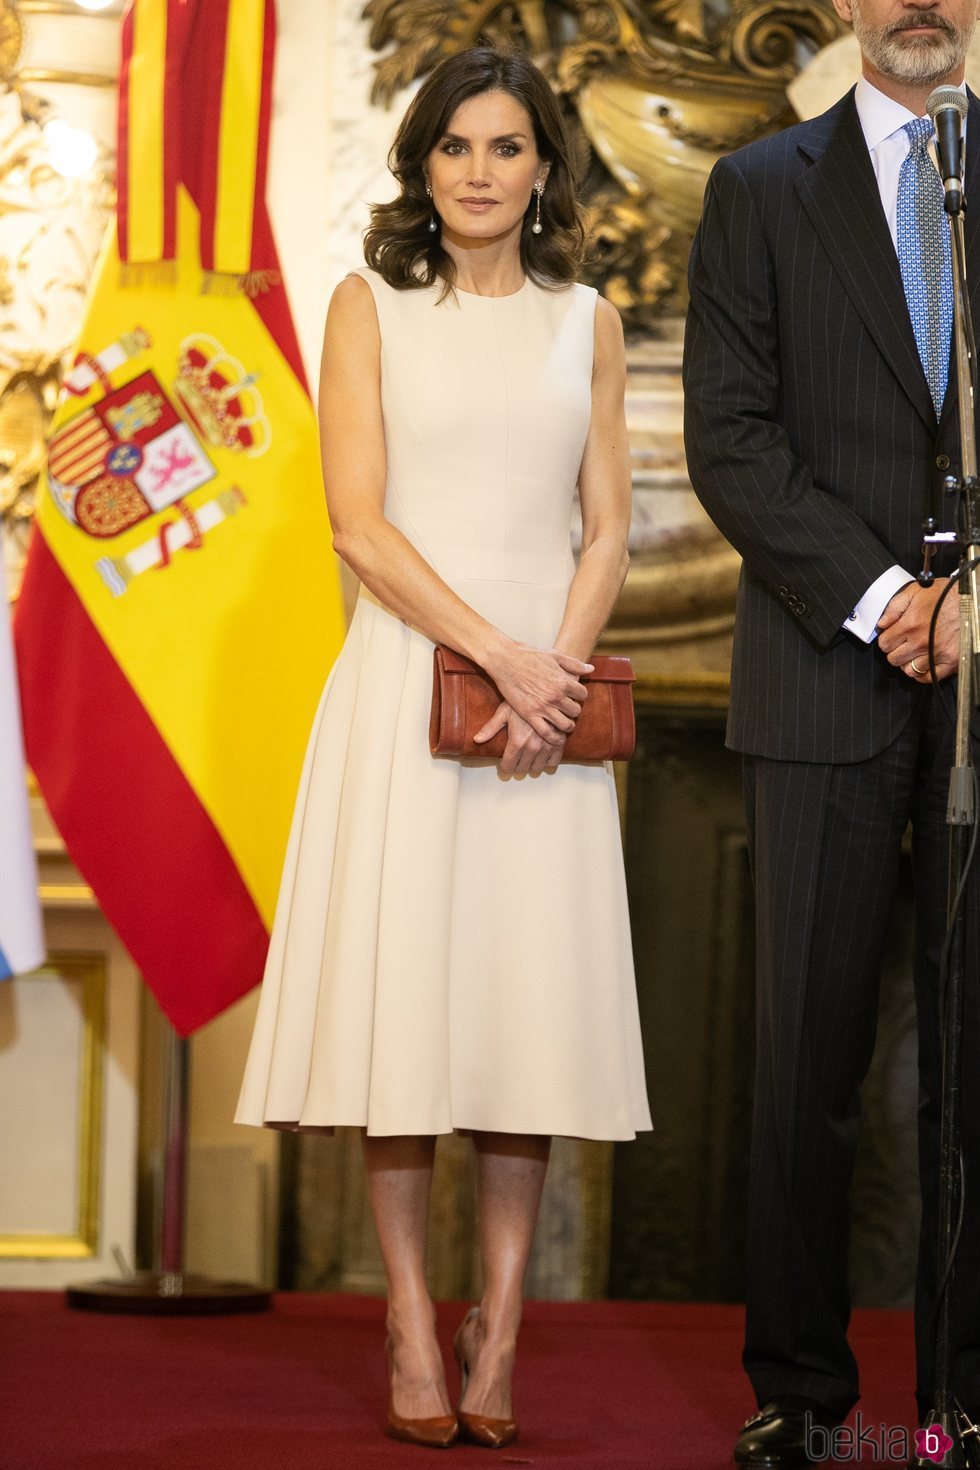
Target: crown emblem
(220,397)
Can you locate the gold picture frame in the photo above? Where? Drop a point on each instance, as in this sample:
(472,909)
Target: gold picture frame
(89,971)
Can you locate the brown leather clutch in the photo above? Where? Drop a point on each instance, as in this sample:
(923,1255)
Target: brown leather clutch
(464,698)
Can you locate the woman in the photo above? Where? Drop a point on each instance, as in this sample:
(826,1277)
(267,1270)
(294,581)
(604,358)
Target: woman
(451,945)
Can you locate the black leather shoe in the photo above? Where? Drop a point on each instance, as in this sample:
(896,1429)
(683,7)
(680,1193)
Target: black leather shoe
(788,1433)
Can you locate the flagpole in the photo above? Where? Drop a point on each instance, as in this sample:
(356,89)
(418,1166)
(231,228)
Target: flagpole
(173,1206)
(168,1289)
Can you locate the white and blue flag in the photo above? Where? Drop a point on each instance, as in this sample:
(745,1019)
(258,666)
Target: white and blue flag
(21,938)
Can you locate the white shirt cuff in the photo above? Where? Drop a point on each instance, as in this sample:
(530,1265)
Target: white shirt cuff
(863,620)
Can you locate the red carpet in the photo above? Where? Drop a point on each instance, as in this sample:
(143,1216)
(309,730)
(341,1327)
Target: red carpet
(601,1386)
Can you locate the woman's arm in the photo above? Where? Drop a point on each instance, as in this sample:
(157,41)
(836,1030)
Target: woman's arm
(543,686)
(605,491)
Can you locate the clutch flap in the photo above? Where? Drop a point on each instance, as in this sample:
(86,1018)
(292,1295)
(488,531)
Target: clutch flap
(609,668)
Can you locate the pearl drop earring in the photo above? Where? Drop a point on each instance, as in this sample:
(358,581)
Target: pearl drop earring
(433,222)
(537,227)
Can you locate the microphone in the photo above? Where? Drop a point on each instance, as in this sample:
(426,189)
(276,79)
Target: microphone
(947,107)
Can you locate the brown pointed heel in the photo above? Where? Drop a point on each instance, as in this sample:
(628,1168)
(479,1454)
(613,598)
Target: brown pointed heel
(437,1433)
(493,1434)
(479,1429)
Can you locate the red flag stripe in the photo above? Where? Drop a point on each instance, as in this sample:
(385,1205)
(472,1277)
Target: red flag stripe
(209,47)
(134,827)
(262,148)
(178,26)
(273,305)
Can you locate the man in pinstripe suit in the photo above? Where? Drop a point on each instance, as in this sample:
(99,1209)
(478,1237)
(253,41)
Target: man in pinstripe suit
(815,442)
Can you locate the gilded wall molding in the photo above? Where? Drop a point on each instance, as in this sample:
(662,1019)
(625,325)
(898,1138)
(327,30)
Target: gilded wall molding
(62,76)
(51,228)
(61,7)
(11,38)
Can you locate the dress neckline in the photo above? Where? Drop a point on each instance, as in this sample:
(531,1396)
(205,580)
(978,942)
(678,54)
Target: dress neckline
(510,296)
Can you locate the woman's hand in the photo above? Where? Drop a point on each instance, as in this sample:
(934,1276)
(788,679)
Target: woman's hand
(526,753)
(541,685)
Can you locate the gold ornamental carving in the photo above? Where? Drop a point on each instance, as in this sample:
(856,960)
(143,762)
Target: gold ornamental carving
(655,91)
(51,227)
(11,39)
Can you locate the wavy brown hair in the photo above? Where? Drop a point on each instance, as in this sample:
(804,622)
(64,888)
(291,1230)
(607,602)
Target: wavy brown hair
(399,244)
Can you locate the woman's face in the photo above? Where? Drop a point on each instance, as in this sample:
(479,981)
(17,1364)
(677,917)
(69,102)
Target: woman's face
(482,171)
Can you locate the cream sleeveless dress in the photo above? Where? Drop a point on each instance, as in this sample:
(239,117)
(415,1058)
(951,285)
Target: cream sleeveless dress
(451,947)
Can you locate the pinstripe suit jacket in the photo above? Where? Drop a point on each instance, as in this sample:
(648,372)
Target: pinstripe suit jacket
(811,436)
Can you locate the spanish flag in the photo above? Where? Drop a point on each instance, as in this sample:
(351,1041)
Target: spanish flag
(181,604)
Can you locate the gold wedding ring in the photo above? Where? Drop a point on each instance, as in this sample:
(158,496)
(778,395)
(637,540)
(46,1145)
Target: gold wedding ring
(913,665)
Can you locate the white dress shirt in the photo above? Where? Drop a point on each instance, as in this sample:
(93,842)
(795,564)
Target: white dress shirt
(883,124)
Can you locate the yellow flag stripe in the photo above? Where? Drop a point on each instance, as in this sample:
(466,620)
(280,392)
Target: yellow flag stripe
(147,74)
(241,99)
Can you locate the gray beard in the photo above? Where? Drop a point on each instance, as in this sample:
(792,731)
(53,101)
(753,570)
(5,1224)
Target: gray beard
(923,62)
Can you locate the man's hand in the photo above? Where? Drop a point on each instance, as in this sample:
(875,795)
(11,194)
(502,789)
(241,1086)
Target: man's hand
(903,635)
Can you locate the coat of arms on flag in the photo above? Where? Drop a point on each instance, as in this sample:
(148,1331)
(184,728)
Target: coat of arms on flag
(143,446)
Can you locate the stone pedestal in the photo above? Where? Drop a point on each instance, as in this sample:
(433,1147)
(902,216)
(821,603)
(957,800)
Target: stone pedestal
(676,612)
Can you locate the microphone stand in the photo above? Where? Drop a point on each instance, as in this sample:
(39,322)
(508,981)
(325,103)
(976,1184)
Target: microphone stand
(947,1420)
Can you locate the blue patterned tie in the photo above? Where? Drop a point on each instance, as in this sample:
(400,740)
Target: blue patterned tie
(924,257)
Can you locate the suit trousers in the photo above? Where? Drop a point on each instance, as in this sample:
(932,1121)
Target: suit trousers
(824,842)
